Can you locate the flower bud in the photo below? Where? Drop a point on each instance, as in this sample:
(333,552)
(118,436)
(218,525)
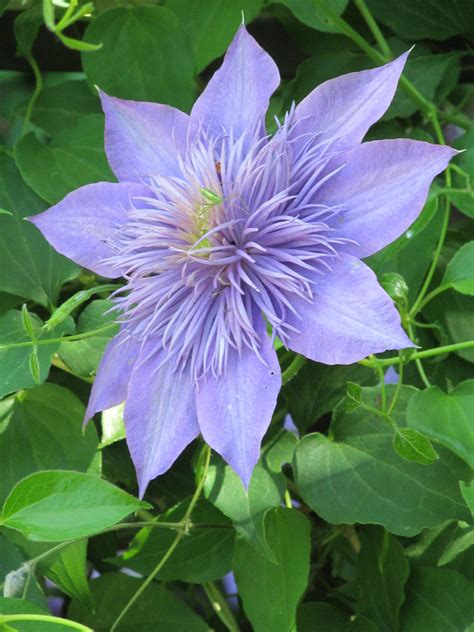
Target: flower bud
(396,287)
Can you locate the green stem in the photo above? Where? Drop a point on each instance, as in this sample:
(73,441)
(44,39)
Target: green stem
(185,523)
(429,297)
(220,606)
(446,191)
(459,119)
(24,594)
(398,387)
(374,28)
(148,580)
(43,618)
(379,413)
(427,107)
(67,14)
(32,563)
(347,30)
(50,341)
(293,369)
(421,371)
(152,524)
(36,92)
(149,524)
(429,277)
(381,376)
(420,325)
(429,353)
(459,170)
(200,485)
(419,365)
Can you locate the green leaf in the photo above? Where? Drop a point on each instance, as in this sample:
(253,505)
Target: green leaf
(438,600)
(20,606)
(326,63)
(210,26)
(203,556)
(73,158)
(60,107)
(12,560)
(382,571)
(324,617)
(446,417)
(270,592)
(464,199)
(414,446)
(317,388)
(320,617)
(68,571)
(468,495)
(42,429)
(312,14)
(113,427)
(457,546)
(29,267)
(247,509)
(417,19)
(8,302)
(59,505)
(426,72)
(48,14)
(15,370)
(66,567)
(454,312)
(460,270)
(26,27)
(83,356)
(157,610)
(145,56)
(356,476)
(3,6)
(430,546)
(75,44)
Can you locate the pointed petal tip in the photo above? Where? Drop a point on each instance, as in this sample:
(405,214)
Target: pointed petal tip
(143,482)
(37,219)
(237,95)
(401,341)
(87,417)
(244,471)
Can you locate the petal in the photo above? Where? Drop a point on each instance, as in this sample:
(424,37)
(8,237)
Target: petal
(349,318)
(160,416)
(235,409)
(111,381)
(238,94)
(382,189)
(82,225)
(143,139)
(343,109)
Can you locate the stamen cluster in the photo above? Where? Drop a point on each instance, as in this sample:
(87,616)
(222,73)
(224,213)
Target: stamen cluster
(241,232)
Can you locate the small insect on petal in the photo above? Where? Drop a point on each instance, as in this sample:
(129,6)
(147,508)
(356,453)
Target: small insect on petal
(210,196)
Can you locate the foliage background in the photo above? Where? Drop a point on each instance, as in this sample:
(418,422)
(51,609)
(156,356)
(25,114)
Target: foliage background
(358,517)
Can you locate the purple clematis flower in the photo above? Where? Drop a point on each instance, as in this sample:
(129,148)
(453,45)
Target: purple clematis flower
(228,238)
